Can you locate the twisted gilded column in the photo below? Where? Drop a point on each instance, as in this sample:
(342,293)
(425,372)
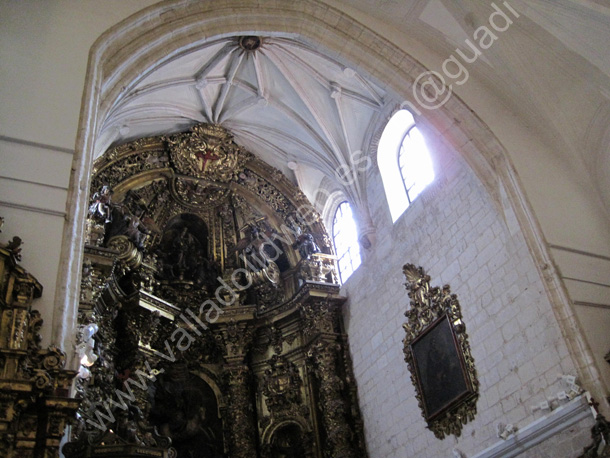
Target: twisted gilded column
(340,442)
(240,412)
(235,339)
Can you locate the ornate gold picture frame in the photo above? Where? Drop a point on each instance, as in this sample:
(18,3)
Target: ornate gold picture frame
(438,355)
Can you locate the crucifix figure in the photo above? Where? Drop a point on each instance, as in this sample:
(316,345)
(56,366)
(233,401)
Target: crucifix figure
(204,158)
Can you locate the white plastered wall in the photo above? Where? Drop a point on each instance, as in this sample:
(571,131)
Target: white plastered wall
(44,49)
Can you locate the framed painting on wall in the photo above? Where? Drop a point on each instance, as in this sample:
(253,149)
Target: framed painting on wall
(438,355)
(439,368)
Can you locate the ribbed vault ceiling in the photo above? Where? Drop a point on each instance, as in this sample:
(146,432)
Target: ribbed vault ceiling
(289,101)
(283,100)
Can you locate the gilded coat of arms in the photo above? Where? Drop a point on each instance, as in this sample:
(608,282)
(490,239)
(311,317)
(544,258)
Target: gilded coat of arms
(207,152)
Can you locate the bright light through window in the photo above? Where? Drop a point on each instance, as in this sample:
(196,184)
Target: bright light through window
(414,164)
(345,237)
(404,162)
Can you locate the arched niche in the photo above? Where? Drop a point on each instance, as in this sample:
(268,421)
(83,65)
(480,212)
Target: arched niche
(187,223)
(183,247)
(185,407)
(288,436)
(288,441)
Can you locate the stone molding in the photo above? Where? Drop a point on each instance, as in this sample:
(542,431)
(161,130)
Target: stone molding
(540,430)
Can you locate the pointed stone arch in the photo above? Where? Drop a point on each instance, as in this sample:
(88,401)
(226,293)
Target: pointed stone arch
(160,32)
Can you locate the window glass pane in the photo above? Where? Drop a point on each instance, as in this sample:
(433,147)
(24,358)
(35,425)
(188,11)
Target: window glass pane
(414,163)
(345,237)
(404,162)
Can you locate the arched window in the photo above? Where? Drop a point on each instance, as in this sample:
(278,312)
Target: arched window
(414,163)
(404,162)
(345,238)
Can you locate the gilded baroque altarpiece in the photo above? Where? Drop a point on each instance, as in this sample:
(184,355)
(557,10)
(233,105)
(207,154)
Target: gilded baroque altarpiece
(210,310)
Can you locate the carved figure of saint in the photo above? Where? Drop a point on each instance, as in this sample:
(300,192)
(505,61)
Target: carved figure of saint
(101,204)
(306,245)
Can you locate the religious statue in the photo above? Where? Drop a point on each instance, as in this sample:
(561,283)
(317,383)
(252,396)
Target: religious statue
(136,230)
(184,258)
(14,246)
(123,222)
(253,243)
(101,206)
(306,245)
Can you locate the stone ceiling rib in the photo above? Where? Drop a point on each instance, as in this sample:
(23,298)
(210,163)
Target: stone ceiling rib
(313,156)
(336,96)
(234,66)
(369,87)
(144,113)
(319,162)
(205,107)
(315,110)
(236,110)
(150,89)
(286,53)
(215,60)
(326,149)
(259,76)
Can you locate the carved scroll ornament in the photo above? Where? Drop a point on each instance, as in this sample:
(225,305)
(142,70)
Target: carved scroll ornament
(438,355)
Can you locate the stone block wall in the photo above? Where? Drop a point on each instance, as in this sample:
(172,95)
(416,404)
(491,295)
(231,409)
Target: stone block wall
(464,238)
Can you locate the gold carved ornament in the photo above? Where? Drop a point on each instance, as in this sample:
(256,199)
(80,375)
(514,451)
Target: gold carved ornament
(207,151)
(281,384)
(204,174)
(34,386)
(438,355)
